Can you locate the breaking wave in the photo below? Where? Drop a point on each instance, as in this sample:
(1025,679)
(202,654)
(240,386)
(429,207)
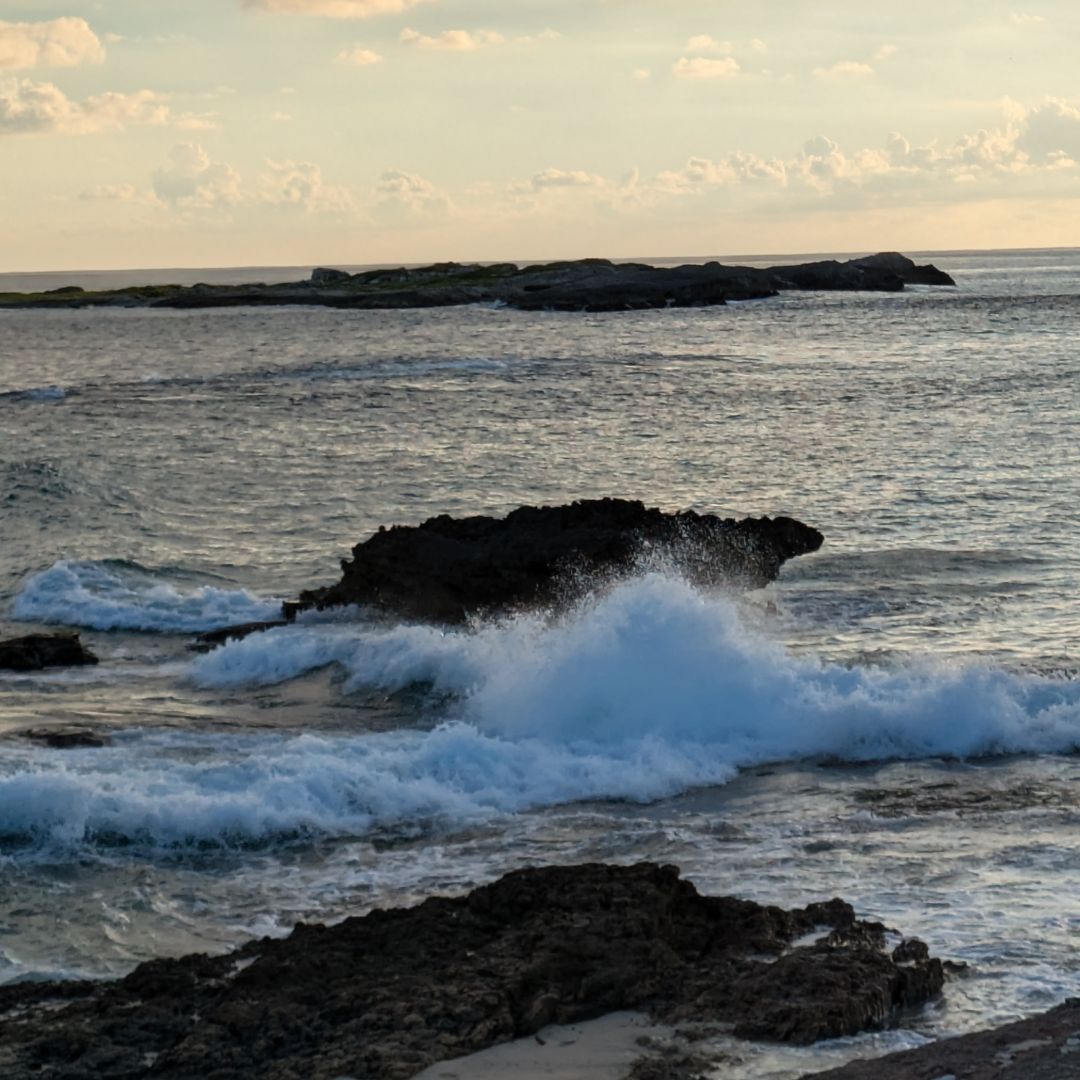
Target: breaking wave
(115,595)
(644,692)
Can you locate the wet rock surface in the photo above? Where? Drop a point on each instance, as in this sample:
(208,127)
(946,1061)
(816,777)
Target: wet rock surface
(448,569)
(36,651)
(389,993)
(594,285)
(1045,1047)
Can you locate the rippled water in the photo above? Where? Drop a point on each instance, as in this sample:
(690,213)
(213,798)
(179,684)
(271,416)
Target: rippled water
(163,472)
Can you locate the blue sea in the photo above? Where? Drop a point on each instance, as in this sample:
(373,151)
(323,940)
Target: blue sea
(895,721)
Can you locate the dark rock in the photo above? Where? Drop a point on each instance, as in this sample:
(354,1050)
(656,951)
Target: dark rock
(577,285)
(1045,1047)
(385,995)
(66,738)
(448,569)
(210,639)
(36,651)
(904,268)
(321,276)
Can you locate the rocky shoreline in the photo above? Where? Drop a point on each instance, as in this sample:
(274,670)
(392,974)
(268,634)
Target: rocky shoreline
(594,285)
(389,993)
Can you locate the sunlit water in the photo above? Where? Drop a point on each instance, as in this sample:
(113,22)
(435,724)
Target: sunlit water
(892,722)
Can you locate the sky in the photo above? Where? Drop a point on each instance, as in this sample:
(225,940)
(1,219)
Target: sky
(158,133)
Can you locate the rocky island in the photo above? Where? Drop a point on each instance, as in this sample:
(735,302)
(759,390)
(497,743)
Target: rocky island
(579,285)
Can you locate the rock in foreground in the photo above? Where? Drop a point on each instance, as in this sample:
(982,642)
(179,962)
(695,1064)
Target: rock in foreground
(387,994)
(1045,1047)
(36,651)
(448,569)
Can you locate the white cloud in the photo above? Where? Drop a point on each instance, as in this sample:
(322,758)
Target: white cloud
(883,52)
(702,67)
(192,181)
(358,56)
(65,42)
(641,73)
(706,43)
(1023,18)
(405,198)
(560,178)
(27,107)
(452,40)
(1050,130)
(300,184)
(111,193)
(844,69)
(334,9)
(758,46)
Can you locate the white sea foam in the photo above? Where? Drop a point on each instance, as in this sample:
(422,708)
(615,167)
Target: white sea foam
(112,596)
(644,692)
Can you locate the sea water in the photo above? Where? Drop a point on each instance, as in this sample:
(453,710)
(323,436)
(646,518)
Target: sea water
(894,721)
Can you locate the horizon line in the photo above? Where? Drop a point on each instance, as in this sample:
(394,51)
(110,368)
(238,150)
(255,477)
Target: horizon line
(756,257)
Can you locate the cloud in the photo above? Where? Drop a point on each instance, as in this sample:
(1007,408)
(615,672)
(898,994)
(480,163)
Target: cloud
(705,43)
(62,42)
(843,70)
(65,42)
(33,108)
(191,181)
(405,198)
(358,56)
(560,178)
(300,184)
(452,40)
(641,74)
(1050,130)
(110,193)
(334,9)
(1022,18)
(883,52)
(701,67)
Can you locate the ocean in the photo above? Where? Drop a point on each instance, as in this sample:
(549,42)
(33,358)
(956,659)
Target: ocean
(894,721)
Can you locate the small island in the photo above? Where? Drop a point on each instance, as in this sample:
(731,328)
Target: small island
(587,285)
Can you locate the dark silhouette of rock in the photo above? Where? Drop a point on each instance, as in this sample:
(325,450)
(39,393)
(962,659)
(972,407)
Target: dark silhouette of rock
(36,651)
(576,285)
(905,269)
(67,738)
(210,639)
(448,569)
(385,995)
(1045,1047)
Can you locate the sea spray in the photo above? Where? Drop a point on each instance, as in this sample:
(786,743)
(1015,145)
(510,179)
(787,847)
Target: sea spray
(646,691)
(113,595)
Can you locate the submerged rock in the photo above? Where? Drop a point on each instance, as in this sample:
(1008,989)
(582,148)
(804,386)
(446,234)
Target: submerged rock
(36,651)
(448,569)
(387,994)
(67,737)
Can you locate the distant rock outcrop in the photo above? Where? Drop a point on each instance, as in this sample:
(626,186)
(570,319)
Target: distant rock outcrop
(448,569)
(577,285)
(387,994)
(36,651)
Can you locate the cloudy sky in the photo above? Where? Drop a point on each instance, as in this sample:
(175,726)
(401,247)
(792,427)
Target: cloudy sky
(140,133)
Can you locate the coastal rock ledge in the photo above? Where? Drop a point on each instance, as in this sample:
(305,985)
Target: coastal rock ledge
(389,993)
(448,569)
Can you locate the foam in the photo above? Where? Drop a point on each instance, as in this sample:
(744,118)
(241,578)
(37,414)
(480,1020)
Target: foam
(117,596)
(644,692)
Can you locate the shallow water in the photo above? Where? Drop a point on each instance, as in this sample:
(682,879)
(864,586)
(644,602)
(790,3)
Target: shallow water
(166,472)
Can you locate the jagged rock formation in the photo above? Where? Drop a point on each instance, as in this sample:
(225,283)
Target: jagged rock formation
(1044,1047)
(385,995)
(448,569)
(36,651)
(578,285)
